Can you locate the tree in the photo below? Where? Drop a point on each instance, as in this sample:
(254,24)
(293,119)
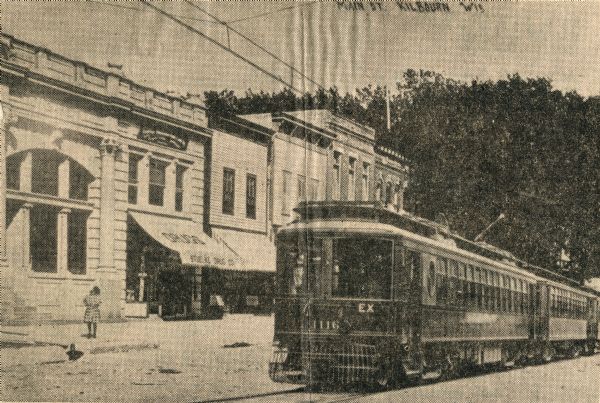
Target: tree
(515,145)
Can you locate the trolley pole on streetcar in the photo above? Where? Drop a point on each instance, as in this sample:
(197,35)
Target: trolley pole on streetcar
(482,233)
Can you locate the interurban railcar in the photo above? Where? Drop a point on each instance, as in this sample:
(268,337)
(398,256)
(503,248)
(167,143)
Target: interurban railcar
(369,295)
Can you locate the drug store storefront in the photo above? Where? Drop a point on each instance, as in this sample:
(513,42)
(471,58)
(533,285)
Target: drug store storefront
(173,266)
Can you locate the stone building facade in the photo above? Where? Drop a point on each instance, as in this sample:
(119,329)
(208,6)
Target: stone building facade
(85,152)
(168,210)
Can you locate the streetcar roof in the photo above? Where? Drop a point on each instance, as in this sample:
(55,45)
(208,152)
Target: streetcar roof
(380,229)
(374,211)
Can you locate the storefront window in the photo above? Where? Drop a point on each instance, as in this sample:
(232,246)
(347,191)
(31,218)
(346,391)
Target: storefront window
(51,225)
(43,238)
(157,182)
(228,191)
(76,242)
(251,196)
(179,179)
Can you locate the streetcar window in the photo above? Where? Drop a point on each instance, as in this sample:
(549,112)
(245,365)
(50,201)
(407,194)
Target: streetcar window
(431,279)
(299,263)
(453,282)
(362,268)
(442,281)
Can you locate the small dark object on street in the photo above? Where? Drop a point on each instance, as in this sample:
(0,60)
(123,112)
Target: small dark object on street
(73,353)
(237,344)
(169,371)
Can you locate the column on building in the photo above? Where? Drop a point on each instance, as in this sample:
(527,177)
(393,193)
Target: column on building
(106,275)
(3,130)
(7,303)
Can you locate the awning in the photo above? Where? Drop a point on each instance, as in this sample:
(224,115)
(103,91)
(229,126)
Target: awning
(186,237)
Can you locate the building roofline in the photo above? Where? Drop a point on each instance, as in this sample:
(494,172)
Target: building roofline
(241,126)
(389,153)
(307,125)
(36,63)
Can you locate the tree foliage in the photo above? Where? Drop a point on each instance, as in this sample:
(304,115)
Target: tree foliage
(514,146)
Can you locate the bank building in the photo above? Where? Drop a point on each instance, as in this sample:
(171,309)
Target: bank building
(168,209)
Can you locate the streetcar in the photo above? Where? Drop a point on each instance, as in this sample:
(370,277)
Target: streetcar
(368,295)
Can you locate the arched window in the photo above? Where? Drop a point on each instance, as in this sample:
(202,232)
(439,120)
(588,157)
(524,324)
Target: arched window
(45,193)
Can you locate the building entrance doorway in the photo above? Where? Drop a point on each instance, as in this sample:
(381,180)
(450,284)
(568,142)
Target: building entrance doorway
(156,277)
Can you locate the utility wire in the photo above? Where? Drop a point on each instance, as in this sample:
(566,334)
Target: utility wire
(271,12)
(219,44)
(111,4)
(274,56)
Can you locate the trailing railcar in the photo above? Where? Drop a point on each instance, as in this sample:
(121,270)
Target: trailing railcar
(368,295)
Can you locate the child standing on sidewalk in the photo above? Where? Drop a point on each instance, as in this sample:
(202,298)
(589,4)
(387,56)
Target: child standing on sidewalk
(92,311)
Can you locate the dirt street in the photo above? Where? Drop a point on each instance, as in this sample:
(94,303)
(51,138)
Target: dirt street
(186,362)
(156,361)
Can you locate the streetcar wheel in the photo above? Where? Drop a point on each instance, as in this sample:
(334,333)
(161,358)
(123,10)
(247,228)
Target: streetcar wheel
(547,354)
(449,368)
(574,351)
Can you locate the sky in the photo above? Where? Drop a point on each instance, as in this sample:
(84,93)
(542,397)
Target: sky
(330,43)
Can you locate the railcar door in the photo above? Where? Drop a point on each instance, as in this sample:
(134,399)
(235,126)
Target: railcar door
(407,301)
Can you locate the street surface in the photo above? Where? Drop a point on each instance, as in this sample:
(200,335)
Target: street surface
(186,361)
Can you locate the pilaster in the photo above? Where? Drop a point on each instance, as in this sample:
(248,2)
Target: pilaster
(5,115)
(62,234)
(108,150)
(25,219)
(169,201)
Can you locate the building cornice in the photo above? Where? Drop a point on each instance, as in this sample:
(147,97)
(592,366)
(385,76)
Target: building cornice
(21,60)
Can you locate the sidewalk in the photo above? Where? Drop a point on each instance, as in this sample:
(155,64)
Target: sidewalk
(135,335)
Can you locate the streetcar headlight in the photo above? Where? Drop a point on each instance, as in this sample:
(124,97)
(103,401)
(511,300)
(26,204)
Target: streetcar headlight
(280,355)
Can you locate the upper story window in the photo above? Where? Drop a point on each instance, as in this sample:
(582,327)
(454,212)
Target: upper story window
(180,171)
(365,181)
(44,169)
(337,159)
(133,178)
(389,194)
(228,190)
(285,193)
(314,189)
(301,188)
(351,178)
(251,196)
(12,173)
(156,188)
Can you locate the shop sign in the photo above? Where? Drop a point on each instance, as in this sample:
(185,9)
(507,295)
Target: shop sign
(212,260)
(177,141)
(182,238)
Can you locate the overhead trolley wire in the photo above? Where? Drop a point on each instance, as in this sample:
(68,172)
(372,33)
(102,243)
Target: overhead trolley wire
(274,56)
(219,44)
(114,4)
(305,3)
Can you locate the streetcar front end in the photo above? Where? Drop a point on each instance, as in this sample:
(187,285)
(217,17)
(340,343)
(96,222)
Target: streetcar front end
(334,314)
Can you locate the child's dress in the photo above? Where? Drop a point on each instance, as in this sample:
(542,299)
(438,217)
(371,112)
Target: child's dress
(92,308)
